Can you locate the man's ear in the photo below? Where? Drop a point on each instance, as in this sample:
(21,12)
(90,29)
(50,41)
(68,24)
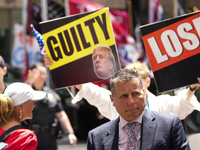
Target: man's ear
(111,98)
(148,81)
(144,91)
(5,70)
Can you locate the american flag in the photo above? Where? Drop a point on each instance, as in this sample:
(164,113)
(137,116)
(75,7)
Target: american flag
(40,40)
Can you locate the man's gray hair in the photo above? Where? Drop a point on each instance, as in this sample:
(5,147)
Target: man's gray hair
(124,75)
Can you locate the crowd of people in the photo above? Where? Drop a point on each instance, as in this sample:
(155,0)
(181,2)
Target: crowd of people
(37,124)
(138,118)
(17,104)
(48,112)
(181,105)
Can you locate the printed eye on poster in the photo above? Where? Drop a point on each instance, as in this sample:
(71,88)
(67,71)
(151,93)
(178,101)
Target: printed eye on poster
(173,48)
(82,48)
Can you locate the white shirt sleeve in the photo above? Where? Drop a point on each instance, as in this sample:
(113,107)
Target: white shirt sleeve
(98,97)
(176,105)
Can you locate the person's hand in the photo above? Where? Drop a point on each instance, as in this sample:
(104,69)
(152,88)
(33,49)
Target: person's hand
(72,139)
(193,86)
(79,86)
(47,60)
(32,76)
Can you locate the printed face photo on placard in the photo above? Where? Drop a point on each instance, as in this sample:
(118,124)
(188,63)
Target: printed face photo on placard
(103,61)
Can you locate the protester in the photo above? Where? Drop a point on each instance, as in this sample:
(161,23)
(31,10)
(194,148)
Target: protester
(103,61)
(181,105)
(136,127)
(47,112)
(3,73)
(17,105)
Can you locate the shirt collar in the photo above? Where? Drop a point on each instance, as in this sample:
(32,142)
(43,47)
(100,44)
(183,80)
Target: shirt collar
(123,122)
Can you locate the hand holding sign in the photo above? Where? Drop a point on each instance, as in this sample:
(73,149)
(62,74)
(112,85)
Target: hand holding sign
(48,61)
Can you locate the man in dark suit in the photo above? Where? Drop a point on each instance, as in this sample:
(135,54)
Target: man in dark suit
(136,128)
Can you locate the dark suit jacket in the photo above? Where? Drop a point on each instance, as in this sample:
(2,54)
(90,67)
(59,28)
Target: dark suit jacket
(159,132)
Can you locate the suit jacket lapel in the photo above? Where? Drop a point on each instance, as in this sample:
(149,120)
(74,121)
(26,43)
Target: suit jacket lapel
(116,137)
(148,130)
(112,133)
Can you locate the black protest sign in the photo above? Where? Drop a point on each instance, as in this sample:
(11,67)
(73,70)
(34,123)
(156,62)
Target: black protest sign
(173,49)
(79,46)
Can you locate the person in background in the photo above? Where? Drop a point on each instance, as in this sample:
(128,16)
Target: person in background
(103,61)
(48,111)
(136,127)
(16,105)
(181,105)
(3,73)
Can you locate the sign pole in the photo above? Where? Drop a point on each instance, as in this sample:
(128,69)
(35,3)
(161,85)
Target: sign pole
(174,8)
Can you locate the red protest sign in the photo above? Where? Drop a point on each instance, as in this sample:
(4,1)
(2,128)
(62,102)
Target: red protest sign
(169,45)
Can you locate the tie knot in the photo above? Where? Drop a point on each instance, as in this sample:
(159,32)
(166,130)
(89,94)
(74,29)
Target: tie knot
(131,126)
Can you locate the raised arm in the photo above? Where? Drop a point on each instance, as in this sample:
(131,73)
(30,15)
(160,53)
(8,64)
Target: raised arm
(191,90)
(32,76)
(62,116)
(182,104)
(95,95)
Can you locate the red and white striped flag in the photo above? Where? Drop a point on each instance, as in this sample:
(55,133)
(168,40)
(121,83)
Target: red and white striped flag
(155,11)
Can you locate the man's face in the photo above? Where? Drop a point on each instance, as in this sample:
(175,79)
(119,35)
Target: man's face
(129,99)
(42,74)
(102,64)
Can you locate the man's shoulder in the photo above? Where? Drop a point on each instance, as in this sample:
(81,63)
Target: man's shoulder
(105,127)
(159,115)
(161,120)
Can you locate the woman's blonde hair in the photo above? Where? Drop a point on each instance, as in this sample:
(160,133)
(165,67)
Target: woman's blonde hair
(6,109)
(141,68)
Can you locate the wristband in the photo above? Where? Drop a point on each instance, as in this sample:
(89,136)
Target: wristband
(70,133)
(193,88)
(28,83)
